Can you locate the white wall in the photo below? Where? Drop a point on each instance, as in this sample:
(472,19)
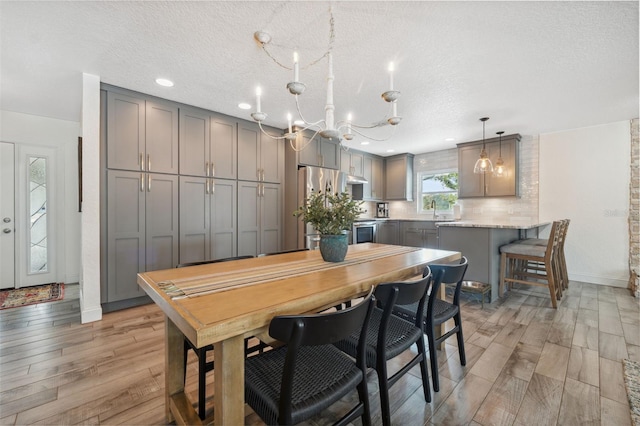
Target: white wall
(584,176)
(26,129)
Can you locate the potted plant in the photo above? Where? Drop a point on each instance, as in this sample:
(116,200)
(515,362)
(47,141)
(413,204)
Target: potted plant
(332,215)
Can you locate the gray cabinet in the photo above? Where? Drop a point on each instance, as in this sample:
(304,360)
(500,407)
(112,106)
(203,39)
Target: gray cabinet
(208,144)
(207,218)
(399,177)
(318,151)
(352,162)
(143,135)
(472,185)
(373,172)
(142,229)
(388,232)
(481,246)
(261,158)
(419,234)
(259,218)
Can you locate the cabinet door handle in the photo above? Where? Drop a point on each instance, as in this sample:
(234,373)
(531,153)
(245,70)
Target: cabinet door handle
(213,186)
(213,169)
(149,183)
(262,174)
(148,162)
(141,161)
(206,168)
(141,182)
(206,191)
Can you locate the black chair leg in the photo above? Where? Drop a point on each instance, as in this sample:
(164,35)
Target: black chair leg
(424,371)
(364,399)
(433,357)
(383,385)
(202,382)
(458,323)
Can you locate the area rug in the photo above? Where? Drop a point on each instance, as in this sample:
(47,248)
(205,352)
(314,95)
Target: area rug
(632,381)
(31,295)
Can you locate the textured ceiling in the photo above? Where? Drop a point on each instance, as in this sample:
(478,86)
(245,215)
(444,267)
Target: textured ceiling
(533,67)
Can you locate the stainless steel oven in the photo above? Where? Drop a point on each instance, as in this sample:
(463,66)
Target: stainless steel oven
(364,232)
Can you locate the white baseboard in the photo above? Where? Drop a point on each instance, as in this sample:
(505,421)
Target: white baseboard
(592,279)
(90,315)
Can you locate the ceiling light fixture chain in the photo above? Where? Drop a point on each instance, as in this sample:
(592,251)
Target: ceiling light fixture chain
(499,170)
(483,164)
(327,128)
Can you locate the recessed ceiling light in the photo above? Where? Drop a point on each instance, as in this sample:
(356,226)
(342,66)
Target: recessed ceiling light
(364,143)
(244,105)
(450,139)
(391,150)
(164,82)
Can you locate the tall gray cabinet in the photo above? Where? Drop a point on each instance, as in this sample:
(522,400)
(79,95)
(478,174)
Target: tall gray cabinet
(142,191)
(260,173)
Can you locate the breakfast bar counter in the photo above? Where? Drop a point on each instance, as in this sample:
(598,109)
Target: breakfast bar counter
(480,242)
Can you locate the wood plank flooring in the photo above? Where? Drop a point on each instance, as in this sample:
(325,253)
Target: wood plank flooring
(526,364)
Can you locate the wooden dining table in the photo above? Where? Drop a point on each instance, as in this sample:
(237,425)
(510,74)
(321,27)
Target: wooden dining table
(222,303)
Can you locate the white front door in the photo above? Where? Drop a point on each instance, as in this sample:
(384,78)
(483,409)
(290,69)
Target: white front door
(7,215)
(36,226)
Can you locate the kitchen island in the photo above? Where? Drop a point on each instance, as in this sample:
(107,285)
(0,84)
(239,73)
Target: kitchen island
(480,242)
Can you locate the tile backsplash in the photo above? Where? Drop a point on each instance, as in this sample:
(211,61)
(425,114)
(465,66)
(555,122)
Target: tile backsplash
(509,209)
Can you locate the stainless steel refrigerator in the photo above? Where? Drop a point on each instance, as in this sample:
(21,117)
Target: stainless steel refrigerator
(310,180)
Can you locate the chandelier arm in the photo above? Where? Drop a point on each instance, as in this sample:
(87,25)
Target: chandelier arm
(381,123)
(298,149)
(317,123)
(267,134)
(374,139)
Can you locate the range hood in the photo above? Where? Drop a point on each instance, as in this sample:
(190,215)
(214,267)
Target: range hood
(351,179)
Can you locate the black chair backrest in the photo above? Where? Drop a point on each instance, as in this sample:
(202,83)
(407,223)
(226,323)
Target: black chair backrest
(205,262)
(400,293)
(447,274)
(320,329)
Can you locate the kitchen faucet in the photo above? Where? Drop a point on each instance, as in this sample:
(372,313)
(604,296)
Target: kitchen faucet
(433,206)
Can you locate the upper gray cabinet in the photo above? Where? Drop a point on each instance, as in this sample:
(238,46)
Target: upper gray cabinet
(142,134)
(352,162)
(399,177)
(208,144)
(262,157)
(318,151)
(472,185)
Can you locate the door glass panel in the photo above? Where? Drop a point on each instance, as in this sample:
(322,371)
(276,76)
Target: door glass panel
(38,214)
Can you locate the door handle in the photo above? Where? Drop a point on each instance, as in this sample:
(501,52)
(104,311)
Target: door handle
(148,162)
(206,169)
(7,230)
(6,220)
(149,183)
(213,169)
(141,182)
(141,161)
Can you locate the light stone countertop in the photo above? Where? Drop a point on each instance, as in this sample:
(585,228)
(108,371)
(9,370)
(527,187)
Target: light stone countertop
(513,224)
(519,224)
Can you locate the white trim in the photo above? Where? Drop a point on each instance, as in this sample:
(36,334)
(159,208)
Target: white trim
(600,280)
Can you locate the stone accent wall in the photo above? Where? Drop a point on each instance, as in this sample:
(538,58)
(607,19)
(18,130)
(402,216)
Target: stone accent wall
(508,209)
(634,210)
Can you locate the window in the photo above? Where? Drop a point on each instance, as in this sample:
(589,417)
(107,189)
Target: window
(441,188)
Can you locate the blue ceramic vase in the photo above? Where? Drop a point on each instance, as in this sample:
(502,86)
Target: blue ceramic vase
(333,248)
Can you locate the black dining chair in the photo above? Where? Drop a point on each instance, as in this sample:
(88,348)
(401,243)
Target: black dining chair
(438,311)
(308,374)
(201,353)
(389,336)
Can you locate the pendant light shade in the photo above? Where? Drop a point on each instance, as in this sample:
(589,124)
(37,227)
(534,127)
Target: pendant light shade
(499,170)
(483,165)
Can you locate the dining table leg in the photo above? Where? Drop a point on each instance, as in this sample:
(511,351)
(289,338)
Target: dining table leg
(229,381)
(174,362)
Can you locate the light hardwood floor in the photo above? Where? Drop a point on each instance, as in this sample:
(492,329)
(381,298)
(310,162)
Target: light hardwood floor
(526,364)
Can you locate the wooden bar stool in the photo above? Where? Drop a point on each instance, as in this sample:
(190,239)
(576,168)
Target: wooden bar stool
(532,264)
(561,263)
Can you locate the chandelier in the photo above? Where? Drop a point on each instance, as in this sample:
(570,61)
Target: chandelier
(328,128)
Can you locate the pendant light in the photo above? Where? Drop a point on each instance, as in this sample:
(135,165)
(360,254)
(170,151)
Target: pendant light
(499,170)
(483,164)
